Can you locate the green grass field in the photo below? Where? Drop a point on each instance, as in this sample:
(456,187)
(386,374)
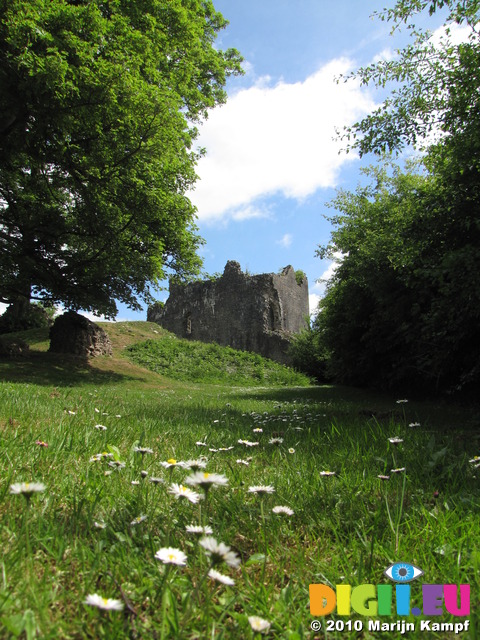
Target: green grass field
(100,521)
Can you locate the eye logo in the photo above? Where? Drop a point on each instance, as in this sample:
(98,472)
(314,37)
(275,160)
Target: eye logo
(402,572)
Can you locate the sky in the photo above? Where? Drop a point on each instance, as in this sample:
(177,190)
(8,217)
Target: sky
(273,161)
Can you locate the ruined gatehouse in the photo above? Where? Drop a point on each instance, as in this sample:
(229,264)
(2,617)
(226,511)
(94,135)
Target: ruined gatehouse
(258,313)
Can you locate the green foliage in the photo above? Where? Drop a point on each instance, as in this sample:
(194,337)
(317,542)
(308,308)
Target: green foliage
(81,535)
(98,107)
(434,86)
(308,354)
(23,315)
(390,316)
(300,276)
(210,363)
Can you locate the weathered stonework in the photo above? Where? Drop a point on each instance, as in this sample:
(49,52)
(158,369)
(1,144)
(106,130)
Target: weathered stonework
(257,313)
(74,334)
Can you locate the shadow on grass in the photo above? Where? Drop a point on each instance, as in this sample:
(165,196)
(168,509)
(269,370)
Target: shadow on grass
(57,370)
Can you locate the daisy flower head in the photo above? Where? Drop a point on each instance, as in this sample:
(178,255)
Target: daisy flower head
(219,552)
(247,443)
(261,489)
(40,443)
(275,441)
(107,604)
(170,555)
(100,427)
(281,510)
(414,424)
(245,462)
(138,520)
(384,478)
(27,489)
(195,465)
(404,401)
(399,470)
(259,624)
(327,474)
(257,430)
(206,480)
(155,480)
(291,450)
(171,462)
(395,440)
(219,577)
(99,525)
(199,530)
(179,491)
(142,450)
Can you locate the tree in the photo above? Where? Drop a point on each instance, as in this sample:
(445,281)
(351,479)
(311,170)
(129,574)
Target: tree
(436,85)
(98,106)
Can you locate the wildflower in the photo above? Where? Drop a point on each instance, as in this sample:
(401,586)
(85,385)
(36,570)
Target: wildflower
(201,444)
(100,427)
(142,450)
(206,480)
(401,401)
(259,624)
(171,462)
(399,470)
(475,460)
(179,491)
(245,462)
(144,473)
(283,510)
(414,424)
(198,530)
(71,413)
(261,489)
(219,577)
(116,464)
(247,443)
(396,440)
(41,443)
(225,448)
(257,430)
(135,482)
(99,525)
(108,604)
(156,480)
(219,552)
(275,441)
(327,474)
(101,456)
(291,450)
(384,478)
(170,555)
(27,489)
(195,465)
(138,520)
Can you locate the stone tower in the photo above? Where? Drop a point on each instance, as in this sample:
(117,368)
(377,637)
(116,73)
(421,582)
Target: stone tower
(257,313)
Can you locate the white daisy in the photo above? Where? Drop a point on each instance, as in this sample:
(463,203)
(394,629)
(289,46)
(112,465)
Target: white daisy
(259,624)
(219,552)
(245,462)
(170,555)
(27,488)
(206,480)
(100,427)
(155,480)
(138,520)
(291,450)
(399,470)
(261,489)
(171,462)
(395,440)
(283,510)
(275,441)
(108,604)
(327,474)
(179,491)
(142,450)
(219,577)
(198,530)
(195,465)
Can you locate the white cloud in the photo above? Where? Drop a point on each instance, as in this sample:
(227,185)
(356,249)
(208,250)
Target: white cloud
(276,140)
(286,240)
(313,300)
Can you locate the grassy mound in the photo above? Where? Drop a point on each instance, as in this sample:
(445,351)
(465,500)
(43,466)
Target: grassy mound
(210,363)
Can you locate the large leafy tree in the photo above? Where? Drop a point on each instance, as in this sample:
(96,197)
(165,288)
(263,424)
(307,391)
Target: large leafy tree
(403,308)
(98,105)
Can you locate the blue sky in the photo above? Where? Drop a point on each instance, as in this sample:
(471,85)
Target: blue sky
(272,162)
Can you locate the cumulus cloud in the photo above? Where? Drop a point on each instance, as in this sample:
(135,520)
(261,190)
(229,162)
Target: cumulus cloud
(276,139)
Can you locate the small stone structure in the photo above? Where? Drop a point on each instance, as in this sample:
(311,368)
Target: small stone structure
(257,313)
(77,335)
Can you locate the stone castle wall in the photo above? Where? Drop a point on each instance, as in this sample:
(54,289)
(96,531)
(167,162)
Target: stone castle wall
(253,313)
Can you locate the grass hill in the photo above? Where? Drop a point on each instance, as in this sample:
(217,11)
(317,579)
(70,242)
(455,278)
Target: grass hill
(309,485)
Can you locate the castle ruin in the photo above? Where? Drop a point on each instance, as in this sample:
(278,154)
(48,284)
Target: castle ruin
(258,313)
